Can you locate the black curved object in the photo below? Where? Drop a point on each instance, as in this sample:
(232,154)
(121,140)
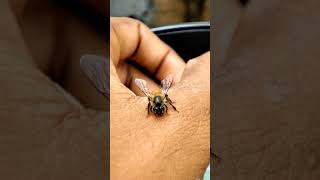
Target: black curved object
(189,40)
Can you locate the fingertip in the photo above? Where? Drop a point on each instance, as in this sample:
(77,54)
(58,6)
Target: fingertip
(172,64)
(198,68)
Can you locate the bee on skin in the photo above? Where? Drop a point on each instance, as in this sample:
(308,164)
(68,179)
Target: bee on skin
(95,68)
(158,99)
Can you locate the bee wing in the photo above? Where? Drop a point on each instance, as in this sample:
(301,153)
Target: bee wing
(142,84)
(95,68)
(166,84)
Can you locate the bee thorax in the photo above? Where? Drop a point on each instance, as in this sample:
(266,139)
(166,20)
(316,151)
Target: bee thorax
(157,93)
(157,100)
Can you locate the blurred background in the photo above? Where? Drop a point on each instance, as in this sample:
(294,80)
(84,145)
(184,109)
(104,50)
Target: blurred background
(156,13)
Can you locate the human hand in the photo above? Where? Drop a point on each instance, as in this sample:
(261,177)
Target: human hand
(46,133)
(267,94)
(175,146)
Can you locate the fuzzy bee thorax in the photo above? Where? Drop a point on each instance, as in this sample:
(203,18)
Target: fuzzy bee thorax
(157,93)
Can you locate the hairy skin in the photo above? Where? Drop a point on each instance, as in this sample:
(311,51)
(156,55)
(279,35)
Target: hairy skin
(267,95)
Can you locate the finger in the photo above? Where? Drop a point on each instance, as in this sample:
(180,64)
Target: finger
(128,86)
(131,39)
(198,69)
(136,74)
(116,87)
(128,74)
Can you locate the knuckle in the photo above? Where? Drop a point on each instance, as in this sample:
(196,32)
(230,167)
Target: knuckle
(126,21)
(131,21)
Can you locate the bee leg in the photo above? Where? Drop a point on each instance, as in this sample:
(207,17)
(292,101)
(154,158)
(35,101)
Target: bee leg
(173,107)
(149,107)
(166,108)
(172,102)
(169,100)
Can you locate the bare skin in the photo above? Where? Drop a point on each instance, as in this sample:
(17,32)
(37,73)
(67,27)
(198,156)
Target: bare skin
(267,116)
(47,133)
(170,144)
(58,130)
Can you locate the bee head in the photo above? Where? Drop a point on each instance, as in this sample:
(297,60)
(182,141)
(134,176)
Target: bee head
(158,110)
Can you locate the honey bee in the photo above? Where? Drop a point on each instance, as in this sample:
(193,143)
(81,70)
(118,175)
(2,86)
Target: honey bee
(158,99)
(95,68)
